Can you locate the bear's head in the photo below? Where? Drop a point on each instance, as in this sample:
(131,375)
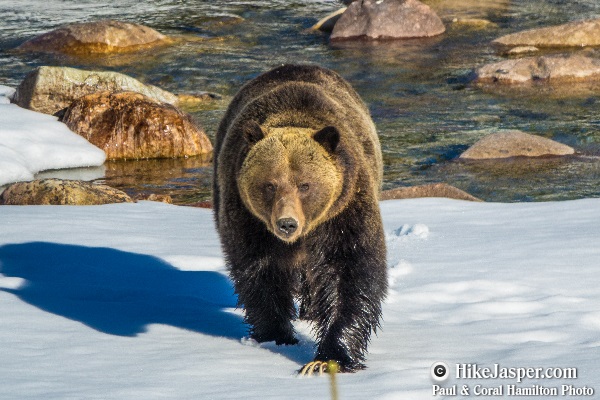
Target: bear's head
(289,178)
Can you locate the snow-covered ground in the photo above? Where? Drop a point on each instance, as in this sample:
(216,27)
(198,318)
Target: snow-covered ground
(31,142)
(131,301)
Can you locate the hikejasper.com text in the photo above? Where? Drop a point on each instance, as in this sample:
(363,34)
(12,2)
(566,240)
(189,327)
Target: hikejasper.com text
(474,371)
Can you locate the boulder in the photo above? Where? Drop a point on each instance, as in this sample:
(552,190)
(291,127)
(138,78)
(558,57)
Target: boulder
(129,125)
(98,37)
(550,68)
(61,192)
(514,144)
(432,190)
(576,33)
(51,89)
(387,19)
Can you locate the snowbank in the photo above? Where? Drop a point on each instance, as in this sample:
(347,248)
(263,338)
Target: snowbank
(31,142)
(131,301)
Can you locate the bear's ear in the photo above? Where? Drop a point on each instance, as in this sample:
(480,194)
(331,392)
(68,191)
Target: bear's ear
(328,137)
(253,132)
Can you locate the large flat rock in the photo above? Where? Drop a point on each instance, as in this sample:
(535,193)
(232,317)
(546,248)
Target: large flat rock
(514,144)
(97,37)
(576,33)
(51,89)
(61,192)
(551,68)
(432,190)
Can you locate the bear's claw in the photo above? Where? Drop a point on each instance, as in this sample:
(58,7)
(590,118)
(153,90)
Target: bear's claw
(312,367)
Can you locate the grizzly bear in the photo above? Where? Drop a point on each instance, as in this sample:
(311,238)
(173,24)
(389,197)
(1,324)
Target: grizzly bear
(297,176)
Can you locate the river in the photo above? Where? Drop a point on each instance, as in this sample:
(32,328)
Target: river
(418,91)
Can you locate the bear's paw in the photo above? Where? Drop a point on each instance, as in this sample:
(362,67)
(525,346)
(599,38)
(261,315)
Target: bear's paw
(316,366)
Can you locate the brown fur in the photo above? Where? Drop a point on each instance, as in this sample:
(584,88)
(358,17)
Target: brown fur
(297,176)
(304,178)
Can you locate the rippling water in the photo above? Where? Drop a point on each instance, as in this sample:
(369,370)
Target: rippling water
(418,92)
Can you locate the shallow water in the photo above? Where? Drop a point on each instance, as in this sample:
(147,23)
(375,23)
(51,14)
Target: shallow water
(425,110)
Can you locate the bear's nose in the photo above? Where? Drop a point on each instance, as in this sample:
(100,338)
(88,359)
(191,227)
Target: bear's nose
(287,225)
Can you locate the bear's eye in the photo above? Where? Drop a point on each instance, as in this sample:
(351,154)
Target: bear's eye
(270,187)
(304,187)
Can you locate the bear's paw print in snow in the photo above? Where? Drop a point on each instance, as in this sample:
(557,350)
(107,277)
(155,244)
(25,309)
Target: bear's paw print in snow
(419,231)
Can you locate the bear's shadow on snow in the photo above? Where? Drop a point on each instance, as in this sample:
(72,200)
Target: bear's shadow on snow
(121,293)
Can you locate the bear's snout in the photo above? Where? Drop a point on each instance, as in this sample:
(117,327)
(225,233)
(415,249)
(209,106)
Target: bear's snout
(287,225)
(287,220)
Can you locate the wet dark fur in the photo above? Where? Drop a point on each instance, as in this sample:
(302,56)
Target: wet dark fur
(337,270)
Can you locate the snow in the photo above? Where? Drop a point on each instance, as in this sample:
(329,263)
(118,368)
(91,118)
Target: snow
(31,142)
(132,301)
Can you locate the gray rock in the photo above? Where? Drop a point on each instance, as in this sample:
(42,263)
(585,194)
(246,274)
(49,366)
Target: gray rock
(98,37)
(515,144)
(552,68)
(51,89)
(61,192)
(576,33)
(432,190)
(387,19)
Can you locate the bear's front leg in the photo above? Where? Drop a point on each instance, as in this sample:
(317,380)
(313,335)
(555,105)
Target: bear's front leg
(347,287)
(266,292)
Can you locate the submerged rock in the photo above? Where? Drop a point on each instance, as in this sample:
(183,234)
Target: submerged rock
(130,125)
(327,23)
(468,9)
(98,37)
(387,19)
(160,198)
(476,23)
(576,33)
(188,101)
(520,50)
(51,89)
(515,144)
(551,68)
(61,192)
(215,22)
(432,190)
